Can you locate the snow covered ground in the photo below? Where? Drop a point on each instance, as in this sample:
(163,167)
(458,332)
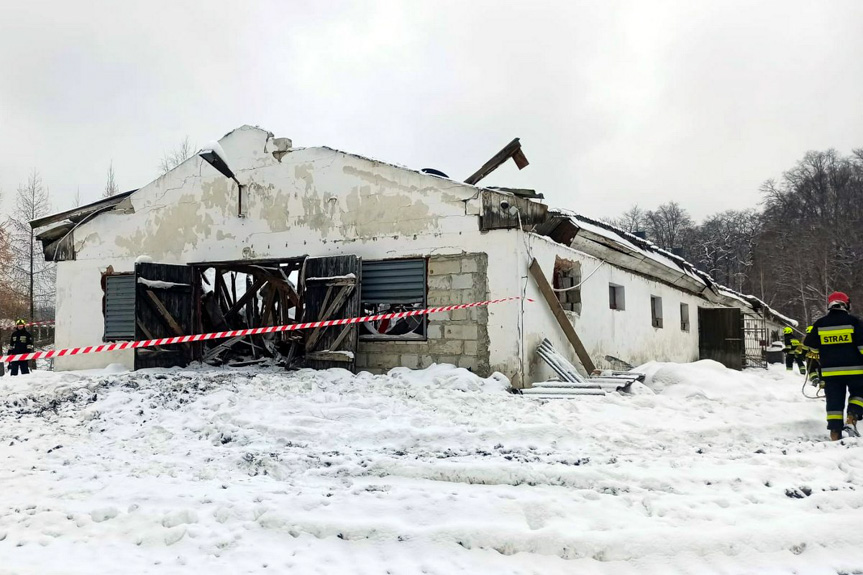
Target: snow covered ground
(421,472)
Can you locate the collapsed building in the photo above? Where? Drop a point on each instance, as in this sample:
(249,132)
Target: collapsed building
(255,232)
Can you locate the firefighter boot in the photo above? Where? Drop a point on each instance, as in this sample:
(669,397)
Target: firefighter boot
(851,425)
(835,435)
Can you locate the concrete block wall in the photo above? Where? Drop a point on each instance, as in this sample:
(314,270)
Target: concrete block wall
(458,337)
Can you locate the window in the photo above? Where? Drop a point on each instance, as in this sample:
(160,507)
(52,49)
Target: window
(393,286)
(684,317)
(616,297)
(119,308)
(656,311)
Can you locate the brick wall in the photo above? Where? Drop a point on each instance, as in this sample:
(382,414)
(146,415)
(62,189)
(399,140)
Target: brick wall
(458,337)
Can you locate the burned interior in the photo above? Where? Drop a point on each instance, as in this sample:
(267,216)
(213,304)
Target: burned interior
(163,300)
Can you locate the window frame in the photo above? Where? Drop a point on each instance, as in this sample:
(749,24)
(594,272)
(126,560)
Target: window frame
(412,336)
(685,324)
(656,319)
(616,297)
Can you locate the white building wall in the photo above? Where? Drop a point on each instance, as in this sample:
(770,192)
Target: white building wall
(79,319)
(315,202)
(625,334)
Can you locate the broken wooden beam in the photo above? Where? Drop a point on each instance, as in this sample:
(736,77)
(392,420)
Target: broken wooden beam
(244,299)
(511,150)
(556,309)
(327,355)
(166,315)
(338,301)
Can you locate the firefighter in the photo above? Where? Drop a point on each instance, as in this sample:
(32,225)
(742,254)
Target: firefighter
(838,339)
(20,342)
(793,351)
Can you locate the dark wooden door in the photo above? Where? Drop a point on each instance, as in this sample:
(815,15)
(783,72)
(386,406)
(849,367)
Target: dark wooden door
(721,337)
(331,291)
(165,306)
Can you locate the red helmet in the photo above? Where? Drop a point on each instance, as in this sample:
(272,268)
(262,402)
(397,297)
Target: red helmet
(837,298)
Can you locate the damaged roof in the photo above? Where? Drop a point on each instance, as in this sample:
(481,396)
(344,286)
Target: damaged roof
(639,255)
(592,236)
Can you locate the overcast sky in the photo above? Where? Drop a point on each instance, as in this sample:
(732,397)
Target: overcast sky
(615,103)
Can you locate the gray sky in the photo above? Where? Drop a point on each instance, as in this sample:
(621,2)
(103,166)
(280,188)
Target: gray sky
(615,102)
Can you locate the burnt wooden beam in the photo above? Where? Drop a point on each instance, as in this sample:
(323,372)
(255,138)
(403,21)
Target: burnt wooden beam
(222,292)
(511,150)
(166,315)
(269,306)
(244,299)
(337,302)
(276,276)
(556,309)
(330,356)
(222,347)
(335,345)
(147,333)
(233,288)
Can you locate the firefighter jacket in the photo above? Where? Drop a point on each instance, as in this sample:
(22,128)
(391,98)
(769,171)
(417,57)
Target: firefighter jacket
(792,344)
(838,339)
(20,342)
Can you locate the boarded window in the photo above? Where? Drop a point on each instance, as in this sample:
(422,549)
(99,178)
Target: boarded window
(656,311)
(616,297)
(392,286)
(684,317)
(120,307)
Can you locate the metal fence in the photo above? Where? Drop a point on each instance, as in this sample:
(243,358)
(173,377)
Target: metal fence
(755,339)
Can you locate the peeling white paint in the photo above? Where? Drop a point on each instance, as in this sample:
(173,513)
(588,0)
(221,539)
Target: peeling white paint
(321,202)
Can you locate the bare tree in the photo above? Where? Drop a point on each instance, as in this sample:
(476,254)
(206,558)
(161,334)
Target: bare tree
(812,240)
(632,220)
(723,246)
(12,304)
(668,225)
(110,184)
(76,200)
(32,277)
(173,158)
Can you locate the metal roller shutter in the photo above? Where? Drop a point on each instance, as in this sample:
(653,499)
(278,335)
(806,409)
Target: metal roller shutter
(120,307)
(394,281)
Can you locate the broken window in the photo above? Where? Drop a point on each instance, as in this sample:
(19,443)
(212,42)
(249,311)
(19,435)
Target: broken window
(684,317)
(119,307)
(391,286)
(567,284)
(616,297)
(656,311)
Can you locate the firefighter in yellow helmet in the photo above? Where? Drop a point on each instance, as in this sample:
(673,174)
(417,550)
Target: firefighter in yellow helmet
(793,351)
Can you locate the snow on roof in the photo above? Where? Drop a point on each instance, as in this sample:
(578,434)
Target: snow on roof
(669,260)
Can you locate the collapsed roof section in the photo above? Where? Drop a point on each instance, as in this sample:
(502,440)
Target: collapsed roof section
(57,238)
(641,256)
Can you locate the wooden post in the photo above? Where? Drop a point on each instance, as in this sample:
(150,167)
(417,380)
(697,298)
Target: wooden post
(560,316)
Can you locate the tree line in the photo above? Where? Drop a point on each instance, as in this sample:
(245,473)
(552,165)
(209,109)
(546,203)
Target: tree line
(27,281)
(805,240)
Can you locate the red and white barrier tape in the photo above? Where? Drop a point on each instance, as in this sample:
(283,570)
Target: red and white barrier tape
(252,331)
(31,324)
